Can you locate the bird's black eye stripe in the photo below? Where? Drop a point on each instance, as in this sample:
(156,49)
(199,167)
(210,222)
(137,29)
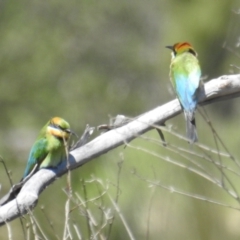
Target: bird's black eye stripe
(60,128)
(57,126)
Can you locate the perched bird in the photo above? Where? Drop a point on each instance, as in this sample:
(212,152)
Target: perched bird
(49,149)
(185,75)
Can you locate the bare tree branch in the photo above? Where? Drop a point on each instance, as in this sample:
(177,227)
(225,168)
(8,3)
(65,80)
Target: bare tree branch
(222,88)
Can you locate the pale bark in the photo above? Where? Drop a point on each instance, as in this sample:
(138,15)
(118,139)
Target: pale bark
(222,88)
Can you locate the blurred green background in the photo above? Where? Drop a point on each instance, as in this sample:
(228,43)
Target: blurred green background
(88,60)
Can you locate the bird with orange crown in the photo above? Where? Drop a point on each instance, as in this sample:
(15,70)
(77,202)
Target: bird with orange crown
(185,76)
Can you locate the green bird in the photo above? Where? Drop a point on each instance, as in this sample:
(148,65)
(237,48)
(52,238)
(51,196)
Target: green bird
(49,150)
(185,75)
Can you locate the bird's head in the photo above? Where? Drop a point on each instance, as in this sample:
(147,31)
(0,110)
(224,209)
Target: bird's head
(59,128)
(181,47)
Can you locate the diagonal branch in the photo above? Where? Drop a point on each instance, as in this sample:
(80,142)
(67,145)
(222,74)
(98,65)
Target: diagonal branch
(222,88)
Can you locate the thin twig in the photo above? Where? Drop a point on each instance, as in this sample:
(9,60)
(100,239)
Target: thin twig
(174,190)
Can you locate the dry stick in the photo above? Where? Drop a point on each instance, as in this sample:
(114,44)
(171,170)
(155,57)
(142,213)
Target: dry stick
(207,177)
(12,193)
(234,194)
(222,88)
(88,215)
(172,148)
(89,200)
(206,157)
(128,229)
(117,195)
(33,228)
(150,207)
(173,190)
(86,207)
(36,225)
(98,231)
(106,212)
(67,232)
(224,146)
(11,184)
(100,206)
(175,149)
(201,147)
(28,231)
(9,231)
(73,222)
(49,222)
(169,160)
(218,166)
(117,209)
(77,231)
(217,137)
(149,214)
(103,218)
(6,170)
(130,234)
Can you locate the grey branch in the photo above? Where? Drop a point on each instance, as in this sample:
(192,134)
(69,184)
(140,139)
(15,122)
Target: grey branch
(222,88)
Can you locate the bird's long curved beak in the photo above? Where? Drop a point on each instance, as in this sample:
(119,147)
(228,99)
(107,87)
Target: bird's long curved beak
(170,47)
(71,132)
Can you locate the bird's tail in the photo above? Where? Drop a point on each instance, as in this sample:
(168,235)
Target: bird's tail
(191,127)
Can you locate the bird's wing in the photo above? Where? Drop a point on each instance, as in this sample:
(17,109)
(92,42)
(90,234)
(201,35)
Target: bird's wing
(37,154)
(186,92)
(186,83)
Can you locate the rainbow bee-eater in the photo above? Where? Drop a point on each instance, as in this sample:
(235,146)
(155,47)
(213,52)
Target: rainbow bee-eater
(185,76)
(49,150)
(50,147)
